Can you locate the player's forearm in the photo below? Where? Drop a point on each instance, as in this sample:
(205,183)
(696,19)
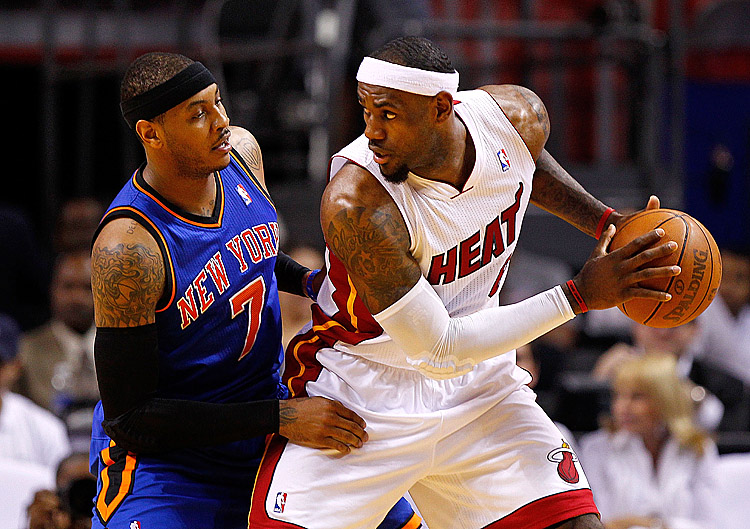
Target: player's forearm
(127,371)
(290,275)
(441,346)
(555,191)
(160,425)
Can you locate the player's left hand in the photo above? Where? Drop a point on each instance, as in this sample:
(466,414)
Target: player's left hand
(318,422)
(608,279)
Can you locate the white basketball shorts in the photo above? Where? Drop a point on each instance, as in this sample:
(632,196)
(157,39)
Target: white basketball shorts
(472,456)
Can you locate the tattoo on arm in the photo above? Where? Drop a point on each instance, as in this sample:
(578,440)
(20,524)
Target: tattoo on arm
(371,244)
(555,191)
(287,414)
(127,282)
(250,152)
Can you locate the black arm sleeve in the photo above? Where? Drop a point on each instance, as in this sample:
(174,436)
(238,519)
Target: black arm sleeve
(127,371)
(289,274)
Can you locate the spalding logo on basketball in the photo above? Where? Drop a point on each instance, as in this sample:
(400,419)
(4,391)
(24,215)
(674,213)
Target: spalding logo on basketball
(698,256)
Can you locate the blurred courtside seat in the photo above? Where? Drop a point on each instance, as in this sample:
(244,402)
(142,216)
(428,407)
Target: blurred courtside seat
(732,495)
(19,480)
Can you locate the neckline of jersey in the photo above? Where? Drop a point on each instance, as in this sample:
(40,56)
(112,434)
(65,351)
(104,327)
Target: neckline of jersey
(214,221)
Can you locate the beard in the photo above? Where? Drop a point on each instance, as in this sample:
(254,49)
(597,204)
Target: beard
(193,165)
(398,176)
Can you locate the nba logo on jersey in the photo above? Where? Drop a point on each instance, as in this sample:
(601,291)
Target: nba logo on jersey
(504,160)
(135,524)
(280,502)
(244,194)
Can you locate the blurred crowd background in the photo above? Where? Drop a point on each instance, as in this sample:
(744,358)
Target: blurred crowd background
(645,97)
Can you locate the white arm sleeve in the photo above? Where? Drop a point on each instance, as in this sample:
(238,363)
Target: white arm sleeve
(443,347)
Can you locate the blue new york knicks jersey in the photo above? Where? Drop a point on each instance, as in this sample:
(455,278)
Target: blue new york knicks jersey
(219,326)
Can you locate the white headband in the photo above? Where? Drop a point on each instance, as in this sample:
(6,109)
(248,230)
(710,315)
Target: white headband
(414,80)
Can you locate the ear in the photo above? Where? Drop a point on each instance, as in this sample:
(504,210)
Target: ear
(444,106)
(10,372)
(149,133)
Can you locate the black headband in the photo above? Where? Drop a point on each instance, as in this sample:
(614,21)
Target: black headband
(169,94)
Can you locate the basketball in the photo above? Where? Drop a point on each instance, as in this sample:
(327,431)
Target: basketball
(698,256)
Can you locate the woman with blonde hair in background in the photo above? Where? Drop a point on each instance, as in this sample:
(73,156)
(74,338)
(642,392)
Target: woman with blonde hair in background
(651,466)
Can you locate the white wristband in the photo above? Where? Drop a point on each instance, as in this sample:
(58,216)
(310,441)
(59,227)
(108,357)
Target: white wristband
(443,347)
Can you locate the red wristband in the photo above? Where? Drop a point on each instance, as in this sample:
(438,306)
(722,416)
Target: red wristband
(577,296)
(602,221)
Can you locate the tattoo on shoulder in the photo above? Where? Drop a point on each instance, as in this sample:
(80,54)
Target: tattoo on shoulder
(370,244)
(250,152)
(127,282)
(538,107)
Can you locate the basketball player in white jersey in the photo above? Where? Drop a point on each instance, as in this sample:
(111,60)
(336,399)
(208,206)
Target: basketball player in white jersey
(421,217)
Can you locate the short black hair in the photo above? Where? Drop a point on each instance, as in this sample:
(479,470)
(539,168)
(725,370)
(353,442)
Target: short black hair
(150,70)
(415,52)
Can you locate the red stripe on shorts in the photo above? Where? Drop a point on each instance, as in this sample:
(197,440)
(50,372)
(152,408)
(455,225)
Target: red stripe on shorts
(258,518)
(302,365)
(549,511)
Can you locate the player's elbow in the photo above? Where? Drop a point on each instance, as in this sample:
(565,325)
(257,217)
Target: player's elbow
(440,363)
(440,372)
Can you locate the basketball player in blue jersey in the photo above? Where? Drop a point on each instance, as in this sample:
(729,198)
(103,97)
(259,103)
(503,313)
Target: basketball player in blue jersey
(185,265)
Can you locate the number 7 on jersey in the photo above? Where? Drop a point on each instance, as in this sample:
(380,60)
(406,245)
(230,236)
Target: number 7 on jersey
(251,296)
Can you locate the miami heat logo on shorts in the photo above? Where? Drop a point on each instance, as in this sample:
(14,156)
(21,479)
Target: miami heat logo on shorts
(565,459)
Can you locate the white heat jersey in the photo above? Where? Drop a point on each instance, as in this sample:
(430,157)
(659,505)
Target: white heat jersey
(452,443)
(462,241)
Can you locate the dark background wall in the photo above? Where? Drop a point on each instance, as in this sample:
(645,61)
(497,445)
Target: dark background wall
(645,97)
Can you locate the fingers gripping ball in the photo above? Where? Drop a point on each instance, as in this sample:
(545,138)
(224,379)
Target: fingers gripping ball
(698,256)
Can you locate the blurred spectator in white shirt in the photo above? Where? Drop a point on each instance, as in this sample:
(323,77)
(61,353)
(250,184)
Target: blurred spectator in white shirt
(720,396)
(27,432)
(653,466)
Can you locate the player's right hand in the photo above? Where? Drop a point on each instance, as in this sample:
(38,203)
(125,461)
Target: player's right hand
(318,422)
(619,219)
(608,279)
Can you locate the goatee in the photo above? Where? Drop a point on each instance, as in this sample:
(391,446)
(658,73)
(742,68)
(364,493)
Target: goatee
(399,176)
